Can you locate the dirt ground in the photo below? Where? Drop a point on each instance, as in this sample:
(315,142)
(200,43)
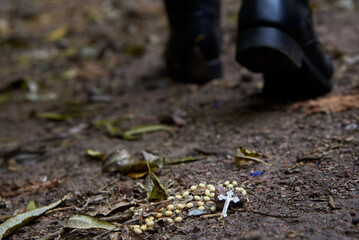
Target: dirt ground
(96,60)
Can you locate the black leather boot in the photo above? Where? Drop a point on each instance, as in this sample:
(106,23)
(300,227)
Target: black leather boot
(277,38)
(192,52)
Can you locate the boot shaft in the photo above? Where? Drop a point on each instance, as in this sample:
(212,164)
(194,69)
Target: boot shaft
(292,16)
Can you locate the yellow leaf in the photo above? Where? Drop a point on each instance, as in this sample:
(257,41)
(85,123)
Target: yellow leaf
(56,34)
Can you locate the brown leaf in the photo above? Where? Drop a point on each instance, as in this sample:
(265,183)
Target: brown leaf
(333,104)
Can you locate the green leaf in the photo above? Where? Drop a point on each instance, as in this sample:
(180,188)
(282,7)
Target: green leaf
(80,221)
(56,34)
(155,189)
(133,133)
(95,154)
(22,219)
(31,206)
(4,98)
(57,116)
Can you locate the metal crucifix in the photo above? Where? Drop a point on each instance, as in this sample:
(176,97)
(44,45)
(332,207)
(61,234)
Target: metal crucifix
(228,199)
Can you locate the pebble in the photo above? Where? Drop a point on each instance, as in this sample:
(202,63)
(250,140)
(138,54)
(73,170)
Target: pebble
(195,212)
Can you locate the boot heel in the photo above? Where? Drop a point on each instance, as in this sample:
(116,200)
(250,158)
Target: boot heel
(268,49)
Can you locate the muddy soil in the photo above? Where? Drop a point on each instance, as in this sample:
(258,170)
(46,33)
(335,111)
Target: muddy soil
(102,60)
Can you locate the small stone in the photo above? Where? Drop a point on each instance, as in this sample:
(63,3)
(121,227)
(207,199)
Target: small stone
(195,212)
(178,219)
(201,208)
(168,213)
(185,194)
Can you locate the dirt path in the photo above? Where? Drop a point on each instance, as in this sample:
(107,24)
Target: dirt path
(102,61)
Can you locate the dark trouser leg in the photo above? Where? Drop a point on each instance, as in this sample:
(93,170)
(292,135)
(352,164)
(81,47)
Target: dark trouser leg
(193,49)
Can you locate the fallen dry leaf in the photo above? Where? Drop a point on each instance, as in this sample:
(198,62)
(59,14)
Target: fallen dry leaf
(333,104)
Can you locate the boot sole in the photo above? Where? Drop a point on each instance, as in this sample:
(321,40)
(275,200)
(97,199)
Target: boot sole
(288,73)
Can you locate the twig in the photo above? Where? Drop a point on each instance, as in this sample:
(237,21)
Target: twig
(256,160)
(3,218)
(53,235)
(59,209)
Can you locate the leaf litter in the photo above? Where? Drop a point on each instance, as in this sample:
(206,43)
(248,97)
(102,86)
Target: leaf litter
(22,219)
(81,221)
(244,157)
(119,161)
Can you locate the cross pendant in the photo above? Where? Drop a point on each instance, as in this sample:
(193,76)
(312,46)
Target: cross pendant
(228,199)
